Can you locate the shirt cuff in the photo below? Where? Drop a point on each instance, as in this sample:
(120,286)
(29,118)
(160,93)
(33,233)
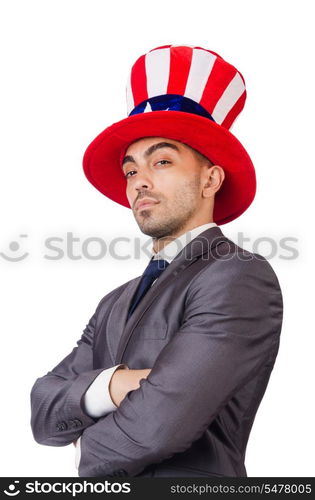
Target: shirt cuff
(97,400)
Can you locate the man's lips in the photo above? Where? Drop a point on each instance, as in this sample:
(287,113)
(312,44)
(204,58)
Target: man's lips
(145,203)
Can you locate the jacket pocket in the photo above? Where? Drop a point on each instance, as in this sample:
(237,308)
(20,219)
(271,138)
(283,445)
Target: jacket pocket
(151,331)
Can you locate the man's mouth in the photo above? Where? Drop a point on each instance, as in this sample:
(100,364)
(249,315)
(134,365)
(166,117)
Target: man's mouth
(145,204)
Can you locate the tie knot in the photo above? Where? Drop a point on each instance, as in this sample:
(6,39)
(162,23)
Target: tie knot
(155,268)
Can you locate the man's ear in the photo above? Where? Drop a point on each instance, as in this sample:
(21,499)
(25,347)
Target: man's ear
(215,178)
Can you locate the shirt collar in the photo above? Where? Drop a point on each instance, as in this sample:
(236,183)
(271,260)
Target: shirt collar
(173,248)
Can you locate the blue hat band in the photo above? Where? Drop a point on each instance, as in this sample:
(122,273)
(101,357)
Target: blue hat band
(171,102)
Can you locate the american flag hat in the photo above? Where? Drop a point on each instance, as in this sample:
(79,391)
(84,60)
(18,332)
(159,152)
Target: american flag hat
(188,94)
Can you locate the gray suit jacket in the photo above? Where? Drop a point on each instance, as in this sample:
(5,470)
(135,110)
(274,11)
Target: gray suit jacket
(209,327)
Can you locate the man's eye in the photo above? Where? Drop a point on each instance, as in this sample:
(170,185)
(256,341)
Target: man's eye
(163,162)
(127,174)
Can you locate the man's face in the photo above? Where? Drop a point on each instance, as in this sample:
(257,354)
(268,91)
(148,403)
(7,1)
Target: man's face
(166,174)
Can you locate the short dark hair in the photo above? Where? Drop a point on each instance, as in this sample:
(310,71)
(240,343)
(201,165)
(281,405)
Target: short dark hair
(202,158)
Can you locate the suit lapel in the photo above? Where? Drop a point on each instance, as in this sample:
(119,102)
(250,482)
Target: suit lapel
(118,316)
(190,253)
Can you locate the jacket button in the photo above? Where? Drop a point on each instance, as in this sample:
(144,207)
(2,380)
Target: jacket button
(61,426)
(74,423)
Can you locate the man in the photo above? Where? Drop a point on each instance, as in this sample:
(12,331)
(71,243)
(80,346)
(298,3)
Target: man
(198,332)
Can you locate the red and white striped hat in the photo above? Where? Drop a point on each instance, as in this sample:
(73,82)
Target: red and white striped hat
(188,94)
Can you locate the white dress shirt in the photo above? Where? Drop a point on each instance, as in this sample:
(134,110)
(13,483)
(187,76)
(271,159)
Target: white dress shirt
(97,400)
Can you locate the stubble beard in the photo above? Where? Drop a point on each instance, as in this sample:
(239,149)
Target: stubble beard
(173,215)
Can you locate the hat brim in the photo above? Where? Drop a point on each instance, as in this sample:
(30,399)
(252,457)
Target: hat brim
(102,159)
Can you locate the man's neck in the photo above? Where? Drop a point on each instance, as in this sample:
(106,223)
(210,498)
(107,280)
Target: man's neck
(160,243)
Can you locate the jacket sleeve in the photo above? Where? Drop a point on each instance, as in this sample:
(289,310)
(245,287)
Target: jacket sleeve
(230,329)
(58,415)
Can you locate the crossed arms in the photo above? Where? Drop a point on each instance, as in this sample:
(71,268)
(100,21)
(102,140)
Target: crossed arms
(228,331)
(120,383)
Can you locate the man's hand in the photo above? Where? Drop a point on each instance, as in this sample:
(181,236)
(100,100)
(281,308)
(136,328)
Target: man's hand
(124,381)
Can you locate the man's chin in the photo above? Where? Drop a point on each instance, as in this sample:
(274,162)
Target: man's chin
(157,229)
(153,232)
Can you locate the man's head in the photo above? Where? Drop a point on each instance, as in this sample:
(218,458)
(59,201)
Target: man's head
(193,95)
(179,182)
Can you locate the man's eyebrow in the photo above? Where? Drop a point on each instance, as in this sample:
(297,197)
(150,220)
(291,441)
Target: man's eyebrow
(126,159)
(151,150)
(160,145)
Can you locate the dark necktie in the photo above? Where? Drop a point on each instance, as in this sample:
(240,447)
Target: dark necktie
(151,273)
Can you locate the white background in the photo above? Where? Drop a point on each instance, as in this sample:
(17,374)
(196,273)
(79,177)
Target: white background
(64,65)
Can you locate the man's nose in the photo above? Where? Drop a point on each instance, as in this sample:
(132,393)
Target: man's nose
(142,180)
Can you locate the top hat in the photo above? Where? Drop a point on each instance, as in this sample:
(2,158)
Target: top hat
(188,94)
